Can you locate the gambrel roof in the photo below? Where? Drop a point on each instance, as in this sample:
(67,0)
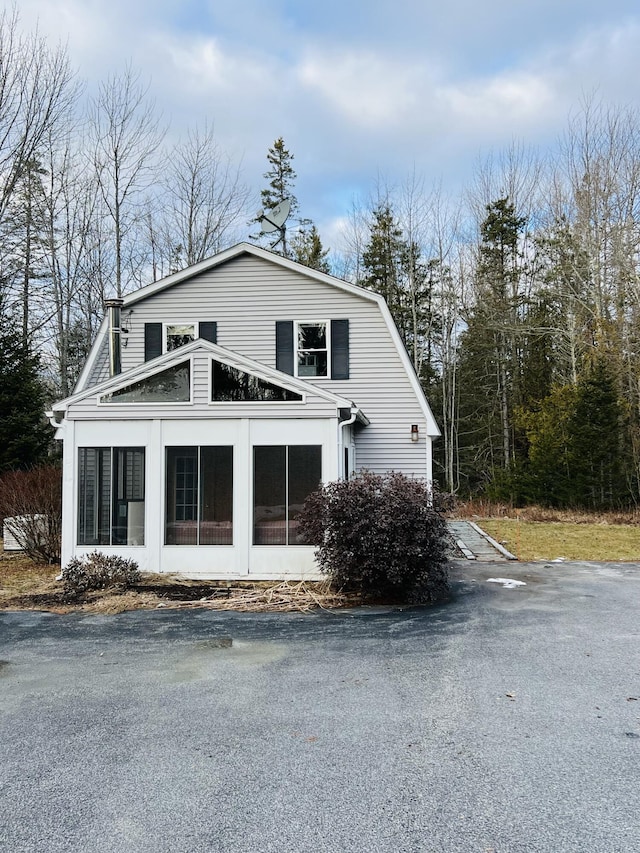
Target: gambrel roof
(99,349)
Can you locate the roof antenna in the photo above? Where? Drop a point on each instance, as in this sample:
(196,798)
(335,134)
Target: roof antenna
(274,220)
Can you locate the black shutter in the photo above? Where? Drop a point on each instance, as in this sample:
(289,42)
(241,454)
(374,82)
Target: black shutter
(339,349)
(209,331)
(284,346)
(152,340)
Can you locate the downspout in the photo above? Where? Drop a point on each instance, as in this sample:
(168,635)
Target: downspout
(114,307)
(350,420)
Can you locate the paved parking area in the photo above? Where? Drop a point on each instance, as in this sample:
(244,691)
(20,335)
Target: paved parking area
(507,720)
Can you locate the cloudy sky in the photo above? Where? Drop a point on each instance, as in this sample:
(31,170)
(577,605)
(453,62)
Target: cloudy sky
(359,88)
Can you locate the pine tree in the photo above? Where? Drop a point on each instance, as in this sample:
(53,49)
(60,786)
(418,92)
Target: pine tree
(281,176)
(596,440)
(392,267)
(24,433)
(307,248)
(499,312)
(25,243)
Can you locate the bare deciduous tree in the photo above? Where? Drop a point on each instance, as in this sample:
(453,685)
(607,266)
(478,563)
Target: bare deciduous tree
(125,135)
(36,89)
(204,199)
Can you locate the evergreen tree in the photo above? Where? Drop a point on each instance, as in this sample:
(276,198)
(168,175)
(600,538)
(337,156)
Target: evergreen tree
(495,334)
(282,177)
(596,440)
(392,266)
(24,432)
(25,245)
(307,248)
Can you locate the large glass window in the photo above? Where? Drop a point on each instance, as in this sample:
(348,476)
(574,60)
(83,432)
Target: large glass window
(111,496)
(228,384)
(169,386)
(312,349)
(199,496)
(283,476)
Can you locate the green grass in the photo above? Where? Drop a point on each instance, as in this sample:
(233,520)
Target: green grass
(542,540)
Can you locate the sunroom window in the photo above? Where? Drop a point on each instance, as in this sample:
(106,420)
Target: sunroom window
(111,496)
(283,477)
(199,496)
(228,384)
(169,386)
(312,349)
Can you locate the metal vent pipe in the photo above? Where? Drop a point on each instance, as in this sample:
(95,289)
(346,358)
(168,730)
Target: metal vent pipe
(114,307)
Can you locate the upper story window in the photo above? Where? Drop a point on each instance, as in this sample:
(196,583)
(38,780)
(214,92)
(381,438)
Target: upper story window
(313,347)
(165,337)
(178,334)
(307,349)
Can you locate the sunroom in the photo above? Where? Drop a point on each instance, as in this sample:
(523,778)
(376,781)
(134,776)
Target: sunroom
(199,461)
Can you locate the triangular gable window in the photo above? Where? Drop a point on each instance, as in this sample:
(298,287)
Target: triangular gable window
(230,385)
(169,386)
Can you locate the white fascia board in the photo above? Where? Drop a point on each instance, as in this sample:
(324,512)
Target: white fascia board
(235,252)
(233,359)
(93,354)
(432,427)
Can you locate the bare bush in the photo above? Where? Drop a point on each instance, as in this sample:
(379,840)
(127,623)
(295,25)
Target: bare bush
(31,507)
(98,571)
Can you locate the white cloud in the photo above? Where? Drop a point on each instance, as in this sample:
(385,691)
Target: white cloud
(510,98)
(358,91)
(367,89)
(203,65)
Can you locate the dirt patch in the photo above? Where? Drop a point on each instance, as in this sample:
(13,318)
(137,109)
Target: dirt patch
(27,586)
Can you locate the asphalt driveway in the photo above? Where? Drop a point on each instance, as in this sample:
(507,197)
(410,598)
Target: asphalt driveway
(507,720)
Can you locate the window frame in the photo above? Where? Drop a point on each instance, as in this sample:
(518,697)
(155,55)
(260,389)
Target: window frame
(167,325)
(297,350)
(212,402)
(287,484)
(197,504)
(111,500)
(189,402)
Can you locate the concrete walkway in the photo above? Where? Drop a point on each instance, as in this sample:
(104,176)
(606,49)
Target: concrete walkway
(475,544)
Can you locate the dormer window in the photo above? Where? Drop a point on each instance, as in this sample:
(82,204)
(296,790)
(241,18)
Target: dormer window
(313,347)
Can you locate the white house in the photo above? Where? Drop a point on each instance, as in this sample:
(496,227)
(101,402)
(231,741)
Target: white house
(213,401)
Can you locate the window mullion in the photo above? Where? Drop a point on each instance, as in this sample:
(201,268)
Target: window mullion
(198,493)
(286,493)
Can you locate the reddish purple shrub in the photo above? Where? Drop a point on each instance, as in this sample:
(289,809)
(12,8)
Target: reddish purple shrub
(381,536)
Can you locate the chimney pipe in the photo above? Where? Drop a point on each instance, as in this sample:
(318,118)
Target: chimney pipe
(114,306)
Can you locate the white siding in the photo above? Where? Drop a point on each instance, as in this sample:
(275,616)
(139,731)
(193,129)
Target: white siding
(246,296)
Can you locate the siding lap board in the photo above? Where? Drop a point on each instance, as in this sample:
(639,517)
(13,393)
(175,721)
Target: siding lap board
(246,296)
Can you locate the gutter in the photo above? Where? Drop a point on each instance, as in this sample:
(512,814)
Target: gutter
(355,414)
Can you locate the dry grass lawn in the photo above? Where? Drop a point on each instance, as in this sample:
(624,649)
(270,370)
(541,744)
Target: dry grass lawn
(540,533)
(550,540)
(27,586)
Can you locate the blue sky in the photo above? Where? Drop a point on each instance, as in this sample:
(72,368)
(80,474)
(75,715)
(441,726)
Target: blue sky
(359,90)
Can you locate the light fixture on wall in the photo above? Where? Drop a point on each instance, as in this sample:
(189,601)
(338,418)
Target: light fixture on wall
(414,432)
